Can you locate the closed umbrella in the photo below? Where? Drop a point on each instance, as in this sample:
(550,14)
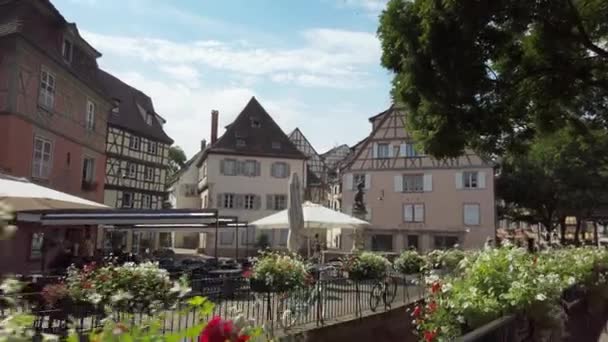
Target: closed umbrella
(294,213)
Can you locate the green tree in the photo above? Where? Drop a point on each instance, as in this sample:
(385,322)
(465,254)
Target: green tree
(493,74)
(177,159)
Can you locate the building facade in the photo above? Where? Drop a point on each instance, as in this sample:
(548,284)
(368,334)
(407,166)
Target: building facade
(414,200)
(53,113)
(317,186)
(245,173)
(334,160)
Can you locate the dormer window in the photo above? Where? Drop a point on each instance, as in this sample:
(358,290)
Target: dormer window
(240,142)
(115,106)
(66,50)
(276,145)
(149,119)
(255,123)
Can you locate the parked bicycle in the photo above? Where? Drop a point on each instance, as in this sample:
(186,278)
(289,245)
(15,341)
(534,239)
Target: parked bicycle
(297,305)
(385,290)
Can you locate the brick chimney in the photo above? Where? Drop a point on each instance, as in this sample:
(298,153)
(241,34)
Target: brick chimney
(203,144)
(214,117)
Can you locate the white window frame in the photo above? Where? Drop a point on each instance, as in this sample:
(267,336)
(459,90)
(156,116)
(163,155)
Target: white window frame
(149,173)
(249,202)
(414,178)
(70,54)
(466,214)
(89,176)
(279,166)
(131,170)
(416,210)
(232,162)
(41,169)
(249,168)
(131,199)
(229,201)
(48,86)
(470,179)
(152,147)
(279,202)
(134,142)
(383,155)
(146,198)
(357,177)
(90,116)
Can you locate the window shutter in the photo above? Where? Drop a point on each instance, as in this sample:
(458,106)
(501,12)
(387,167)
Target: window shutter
(374,150)
(402,150)
(239,201)
(481,179)
(220,201)
(419,213)
(287,169)
(348,180)
(408,213)
(258,168)
(428,182)
(273,170)
(458,180)
(391,151)
(399,183)
(269,202)
(368,181)
(222,168)
(257,202)
(240,168)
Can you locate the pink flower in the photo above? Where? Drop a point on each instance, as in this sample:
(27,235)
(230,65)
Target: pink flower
(432,306)
(417,311)
(436,287)
(429,336)
(219,330)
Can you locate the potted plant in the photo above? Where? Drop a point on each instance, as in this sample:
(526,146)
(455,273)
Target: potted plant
(410,264)
(276,272)
(367,266)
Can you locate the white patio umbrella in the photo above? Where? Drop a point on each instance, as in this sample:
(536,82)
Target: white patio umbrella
(315,216)
(20,194)
(294,214)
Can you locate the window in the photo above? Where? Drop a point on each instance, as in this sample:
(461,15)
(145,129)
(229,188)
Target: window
(146,201)
(47,89)
(204,202)
(408,150)
(382,243)
(250,168)
(283,235)
(88,170)
(66,51)
(134,143)
(149,173)
(280,202)
(471,214)
(152,147)
(445,242)
(226,238)
(90,118)
(359,178)
(127,200)
(189,190)
(149,119)
(413,183)
(36,243)
(116,106)
(412,242)
(249,201)
(383,150)
(228,167)
(413,212)
(255,123)
(131,170)
(276,145)
(41,164)
(279,170)
(247,236)
(240,143)
(469,179)
(228,201)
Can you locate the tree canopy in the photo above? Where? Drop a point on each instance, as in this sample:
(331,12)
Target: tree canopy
(494,74)
(177,159)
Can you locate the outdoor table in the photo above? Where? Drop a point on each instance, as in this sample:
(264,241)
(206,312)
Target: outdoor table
(230,281)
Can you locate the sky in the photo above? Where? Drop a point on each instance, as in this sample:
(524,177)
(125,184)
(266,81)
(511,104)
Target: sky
(312,64)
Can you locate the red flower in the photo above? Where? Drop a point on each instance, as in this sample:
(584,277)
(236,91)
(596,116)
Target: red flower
(89,267)
(436,287)
(417,311)
(87,285)
(429,336)
(247,273)
(219,330)
(432,306)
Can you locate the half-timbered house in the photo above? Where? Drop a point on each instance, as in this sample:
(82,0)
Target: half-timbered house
(414,200)
(316,187)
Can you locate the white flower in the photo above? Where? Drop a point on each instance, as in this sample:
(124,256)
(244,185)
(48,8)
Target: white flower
(540,297)
(181,289)
(95,298)
(446,287)
(121,295)
(571,281)
(10,286)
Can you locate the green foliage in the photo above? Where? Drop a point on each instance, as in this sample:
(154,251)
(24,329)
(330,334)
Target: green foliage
(280,271)
(263,242)
(491,75)
(409,262)
(177,160)
(367,265)
(7,230)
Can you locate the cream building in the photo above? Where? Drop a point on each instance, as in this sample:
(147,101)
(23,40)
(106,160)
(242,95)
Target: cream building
(414,200)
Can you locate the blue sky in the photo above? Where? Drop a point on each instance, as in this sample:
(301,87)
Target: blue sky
(313,64)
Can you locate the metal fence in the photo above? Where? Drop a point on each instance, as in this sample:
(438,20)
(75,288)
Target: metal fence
(318,304)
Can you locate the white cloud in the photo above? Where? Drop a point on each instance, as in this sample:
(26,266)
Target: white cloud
(374,6)
(330,57)
(182,73)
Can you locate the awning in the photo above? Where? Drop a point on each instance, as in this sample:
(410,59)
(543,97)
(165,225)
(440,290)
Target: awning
(315,217)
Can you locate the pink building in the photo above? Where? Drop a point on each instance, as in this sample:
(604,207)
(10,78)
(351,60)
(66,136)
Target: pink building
(414,200)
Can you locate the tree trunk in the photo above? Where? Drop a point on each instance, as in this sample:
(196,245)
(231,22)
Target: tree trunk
(562,227)
(577,232)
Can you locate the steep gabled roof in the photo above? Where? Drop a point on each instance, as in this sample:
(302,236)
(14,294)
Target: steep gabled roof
(133,107)
(258,137)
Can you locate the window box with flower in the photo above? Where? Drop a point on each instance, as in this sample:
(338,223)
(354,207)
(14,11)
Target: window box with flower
(367,266)
(276,272)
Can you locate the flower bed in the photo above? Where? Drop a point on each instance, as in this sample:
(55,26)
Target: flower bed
(367,266)
(496,282)
(276,272)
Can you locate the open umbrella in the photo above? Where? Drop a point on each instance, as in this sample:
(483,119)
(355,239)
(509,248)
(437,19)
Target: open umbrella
(294,213)
(20,194)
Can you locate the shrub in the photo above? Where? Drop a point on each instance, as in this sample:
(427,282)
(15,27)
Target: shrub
(279,271)
(451,259)
(409,262)
(367,265)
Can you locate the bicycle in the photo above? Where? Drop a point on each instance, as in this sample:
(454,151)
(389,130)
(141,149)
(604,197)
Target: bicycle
(297,305)
(385,290)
